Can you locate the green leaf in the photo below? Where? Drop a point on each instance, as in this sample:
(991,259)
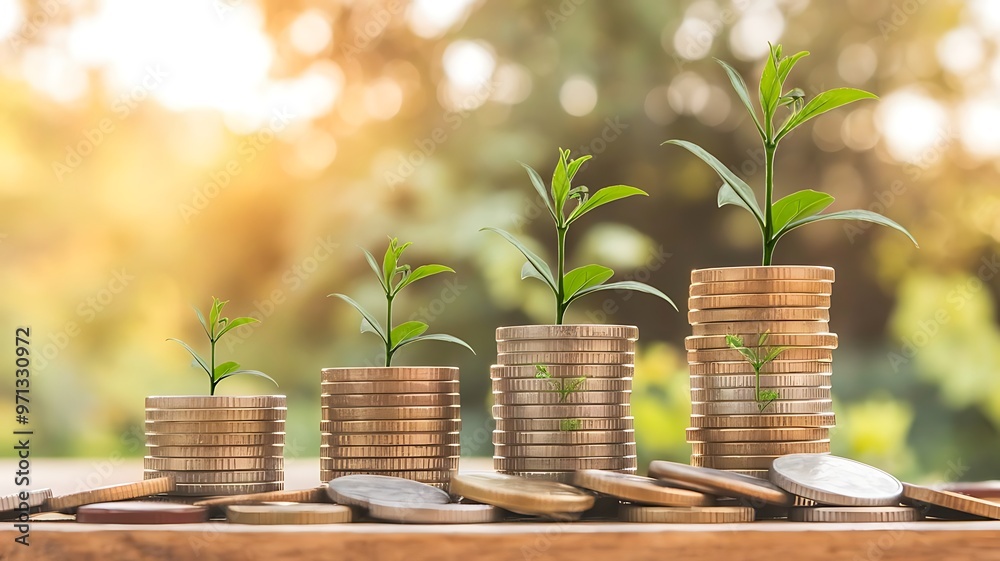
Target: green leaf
(422,272)
(528,271)
(214,313)
(822,103)
(437,337)
(560,183)
(735,190)
(792,97)
(770,88)
(201,319)
(574,384)
(225,368)
(741,90)
(389,263)
(785,66)
(542,372)
(857,214)
(233,324)
(626,285)
(734,341)
(366,327)
(798,205)
(584,277)
(574,166)
(536,180)
(197,358)
(773,353)
(378,271)
(603,197)
(545,273)
(371,319)
(406,330)
(763,338)
(257,373)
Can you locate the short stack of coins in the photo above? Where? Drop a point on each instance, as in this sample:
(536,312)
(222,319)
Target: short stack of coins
(562,400)
(396,421)
(733,427)
(216,445)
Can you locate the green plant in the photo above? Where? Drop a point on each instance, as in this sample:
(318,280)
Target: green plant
(758,358)
(799,208)
(564,390)
(215,328)
(394,277)
(567,287)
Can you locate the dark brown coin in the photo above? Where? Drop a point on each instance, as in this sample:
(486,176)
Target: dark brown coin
(141,512)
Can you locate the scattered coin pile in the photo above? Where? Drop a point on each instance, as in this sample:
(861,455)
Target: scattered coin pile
(216,445)
(400,421)
(562,400)
(732,426)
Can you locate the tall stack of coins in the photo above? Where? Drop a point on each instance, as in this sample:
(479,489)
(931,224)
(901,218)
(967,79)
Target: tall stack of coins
(396,421)
(562,400)
(216,445)
(733,425)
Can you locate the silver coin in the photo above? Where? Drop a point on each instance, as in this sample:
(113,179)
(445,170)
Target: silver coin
(358,490)
(837,481)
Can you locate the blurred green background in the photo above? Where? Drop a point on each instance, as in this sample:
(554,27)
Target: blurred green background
(155,154)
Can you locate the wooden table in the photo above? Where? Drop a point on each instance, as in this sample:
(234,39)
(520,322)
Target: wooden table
(524,541)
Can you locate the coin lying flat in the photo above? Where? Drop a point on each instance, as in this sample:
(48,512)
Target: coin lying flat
(215,402)
(314,495)
(141,512)
(211,489)
(746,381)
(389,387)
(755,473)
(410,451)
(359,490)
(737,327)
(392,439)
(112,493)
(568,331)
(716,482)
(733,462)
(752,407)
(288,514)
(749,394)
(562,451)
(535,386)
(414,513)
(214,451)
(390,400)
(566,437)
(216,477)
(392,464)
(429,477)
(196,439)
(389,413)
(758,314)
(215,427)
(757,448)
(836,481)
(566,345)
(854,514)
(210,464)
(767,272)
(638,489)
(391,425)
(531,359)
(686,515)
(524,496)
(565,425)
(394,373)
(501,463)
(816,340)
(560,411)
(761,287)
(759,300)
(552,397)
(199,415)
(773,367)
(732,355)
(763,421)
(923,496)
(787,434)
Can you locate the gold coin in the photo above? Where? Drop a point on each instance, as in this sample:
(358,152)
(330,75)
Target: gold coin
(732,355)
(790,300)
(217,477)
(587,331)
(551,397)
(762,287)
(567,437)
(215,427)
(198,415)
(773,367)
(430,477)
(390,400)
(215,402)
(564,425)
(210,489)
(541,464)
(815,340)
(854,514)
(923,496)
(391,439)
(638,489)
(402,425)
(751,407)
(288,514)
(563,451)
(721,483)
(393,373)
(760,448)
(566,345)
(747,327)
(209,464)
(733,462)
(757,435)
(196,439)
(763,421)
(390,387)
(415,513)
(534,385)
(112,493)
(758,314)
(214,451)
(524,496)
(565,476)
(768,272)
(531,359)
(326,451)
(314,495)
(560,411)
(766,381)
(390,464)
(588,371)
(748,394)
(389,413)
(686,515)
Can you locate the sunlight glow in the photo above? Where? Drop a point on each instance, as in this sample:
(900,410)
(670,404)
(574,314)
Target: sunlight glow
(310,33)
(431,18)
(578,95)
(911,123)
(979,124)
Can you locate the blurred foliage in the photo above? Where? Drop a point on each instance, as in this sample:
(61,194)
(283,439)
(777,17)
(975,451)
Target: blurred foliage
(409,118)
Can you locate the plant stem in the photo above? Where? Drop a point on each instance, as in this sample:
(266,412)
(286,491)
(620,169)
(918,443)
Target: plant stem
(769,148)
(388,328)
(560,271)
(211,375)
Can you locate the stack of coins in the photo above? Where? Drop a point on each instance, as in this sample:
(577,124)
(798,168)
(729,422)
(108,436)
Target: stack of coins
(397,421)
(216,445)
(562,400)
(733,426)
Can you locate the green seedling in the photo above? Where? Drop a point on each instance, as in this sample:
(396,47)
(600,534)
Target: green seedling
(565,387)
(567,287)
(758,357)
(394,276)
(215,328)
(799,208)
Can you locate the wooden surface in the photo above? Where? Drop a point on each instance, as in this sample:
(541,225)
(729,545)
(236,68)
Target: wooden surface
(526,541)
